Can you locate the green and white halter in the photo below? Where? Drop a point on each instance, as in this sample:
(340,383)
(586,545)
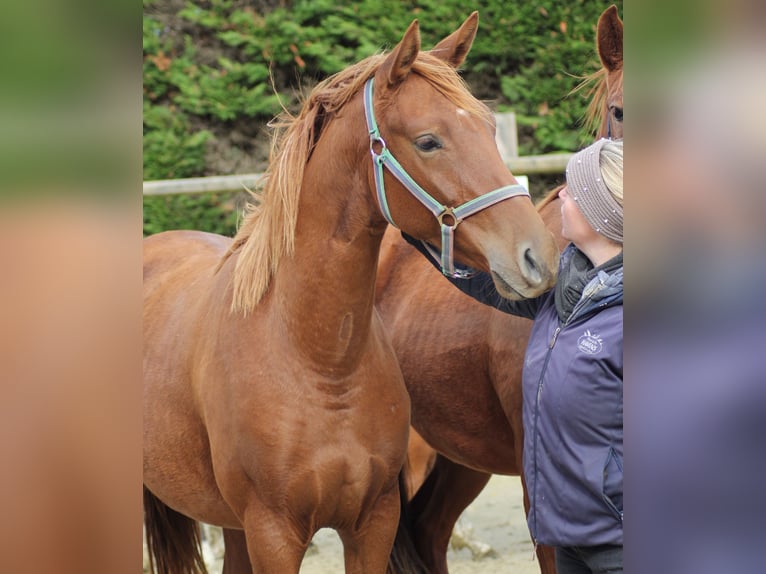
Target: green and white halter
(454,214)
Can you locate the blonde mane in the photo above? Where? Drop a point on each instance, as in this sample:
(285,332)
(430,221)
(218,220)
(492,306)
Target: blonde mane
(267,232)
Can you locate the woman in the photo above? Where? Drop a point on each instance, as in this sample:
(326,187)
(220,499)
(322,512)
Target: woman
(572,379)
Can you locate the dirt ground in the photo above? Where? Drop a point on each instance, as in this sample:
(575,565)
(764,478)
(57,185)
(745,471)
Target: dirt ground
(491,537)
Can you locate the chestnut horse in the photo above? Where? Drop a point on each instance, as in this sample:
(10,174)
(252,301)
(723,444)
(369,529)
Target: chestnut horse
(273,401)
(462,360)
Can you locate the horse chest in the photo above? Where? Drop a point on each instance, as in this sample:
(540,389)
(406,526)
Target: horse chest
(335,486)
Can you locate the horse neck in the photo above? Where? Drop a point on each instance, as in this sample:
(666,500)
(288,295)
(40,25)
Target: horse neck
(549,209)
(326,289)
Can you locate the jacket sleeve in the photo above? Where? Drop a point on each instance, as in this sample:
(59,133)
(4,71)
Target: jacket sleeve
(482,288)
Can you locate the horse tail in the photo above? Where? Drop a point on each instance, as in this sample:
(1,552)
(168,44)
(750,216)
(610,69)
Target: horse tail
(404,556)
(173,539)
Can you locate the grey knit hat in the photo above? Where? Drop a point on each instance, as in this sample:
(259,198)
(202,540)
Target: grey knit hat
(587,188)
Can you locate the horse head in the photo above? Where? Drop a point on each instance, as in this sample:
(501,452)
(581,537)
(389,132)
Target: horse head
(442,138)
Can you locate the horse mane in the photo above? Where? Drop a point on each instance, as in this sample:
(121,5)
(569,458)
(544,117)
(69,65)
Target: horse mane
(267,231)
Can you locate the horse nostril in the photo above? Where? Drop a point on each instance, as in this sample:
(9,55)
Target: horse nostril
(532,267)
(529,258)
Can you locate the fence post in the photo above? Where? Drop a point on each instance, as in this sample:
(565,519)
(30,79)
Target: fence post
(506,135)
(507,139)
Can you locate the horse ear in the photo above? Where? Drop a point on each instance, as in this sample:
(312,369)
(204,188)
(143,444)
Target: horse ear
(454,48)
(397,65)
(610,39)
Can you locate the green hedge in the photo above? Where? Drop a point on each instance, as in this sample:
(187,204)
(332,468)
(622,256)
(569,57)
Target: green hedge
(209,69)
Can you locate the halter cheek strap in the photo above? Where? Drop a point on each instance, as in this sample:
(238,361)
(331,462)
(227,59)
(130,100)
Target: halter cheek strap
(448,217)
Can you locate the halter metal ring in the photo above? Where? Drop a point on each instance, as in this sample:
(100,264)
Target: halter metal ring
(451,212)
(377,140)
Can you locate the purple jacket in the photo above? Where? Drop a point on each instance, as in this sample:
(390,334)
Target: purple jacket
(573,412)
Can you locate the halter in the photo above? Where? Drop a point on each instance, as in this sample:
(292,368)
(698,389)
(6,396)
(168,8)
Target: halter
(454,214)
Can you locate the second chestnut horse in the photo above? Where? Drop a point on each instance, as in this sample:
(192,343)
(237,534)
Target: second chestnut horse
(462,360)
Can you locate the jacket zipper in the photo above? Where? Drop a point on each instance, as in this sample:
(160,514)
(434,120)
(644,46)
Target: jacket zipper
(555,336)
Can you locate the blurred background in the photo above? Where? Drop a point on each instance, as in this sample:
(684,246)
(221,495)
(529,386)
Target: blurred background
(74,90)
(695,315)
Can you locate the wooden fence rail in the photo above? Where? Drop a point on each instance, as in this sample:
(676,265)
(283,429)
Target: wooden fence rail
(218,183)
(524,165)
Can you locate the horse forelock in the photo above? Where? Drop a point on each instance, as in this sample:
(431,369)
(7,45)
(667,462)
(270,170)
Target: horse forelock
(445,79)
(267,232)
(611,87)
(596,89)
(599,85)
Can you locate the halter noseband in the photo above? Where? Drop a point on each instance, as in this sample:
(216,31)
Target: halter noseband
(454,215)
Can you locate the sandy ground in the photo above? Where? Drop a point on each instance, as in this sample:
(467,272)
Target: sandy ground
(490,537)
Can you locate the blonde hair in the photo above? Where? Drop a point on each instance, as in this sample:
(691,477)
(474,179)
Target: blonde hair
(610,164)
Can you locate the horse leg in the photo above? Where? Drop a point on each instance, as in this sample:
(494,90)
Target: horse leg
(235,558)
(274,543)
(420,460)
(546,557)
(447,492)
(368,547)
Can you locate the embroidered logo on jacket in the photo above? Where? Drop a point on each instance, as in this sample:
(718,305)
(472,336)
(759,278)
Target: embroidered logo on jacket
(588,343)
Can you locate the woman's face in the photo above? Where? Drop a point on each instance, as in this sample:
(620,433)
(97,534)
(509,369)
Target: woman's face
(574,226)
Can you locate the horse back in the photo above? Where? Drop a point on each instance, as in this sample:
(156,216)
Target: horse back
(179,269)
(179,255)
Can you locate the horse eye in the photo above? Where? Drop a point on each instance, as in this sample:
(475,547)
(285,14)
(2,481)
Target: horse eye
(428,143)
(618,114)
